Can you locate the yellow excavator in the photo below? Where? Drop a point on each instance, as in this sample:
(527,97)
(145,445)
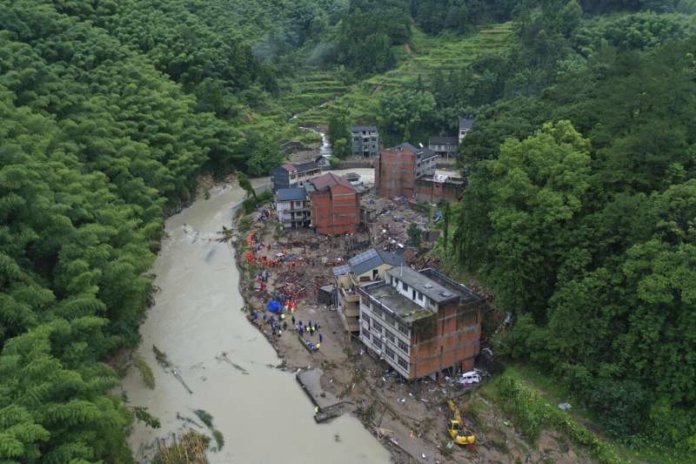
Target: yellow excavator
(455,427)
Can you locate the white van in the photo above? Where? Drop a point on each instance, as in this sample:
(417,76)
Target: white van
(468,378)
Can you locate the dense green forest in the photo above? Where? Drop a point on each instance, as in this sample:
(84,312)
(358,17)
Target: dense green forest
(581,207)
(579,212)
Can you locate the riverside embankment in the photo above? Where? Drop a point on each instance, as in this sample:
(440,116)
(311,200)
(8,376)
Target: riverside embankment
(261,411)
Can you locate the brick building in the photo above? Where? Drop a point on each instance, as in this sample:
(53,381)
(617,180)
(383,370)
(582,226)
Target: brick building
(397,169)
(335,206)
(440,186)
(421,323)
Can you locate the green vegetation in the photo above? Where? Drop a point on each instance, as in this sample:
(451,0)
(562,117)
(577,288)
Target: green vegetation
(189,449)
(532,414)
(579,214)
(145,371)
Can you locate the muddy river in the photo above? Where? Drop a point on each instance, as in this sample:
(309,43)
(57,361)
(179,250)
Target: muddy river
(261,411)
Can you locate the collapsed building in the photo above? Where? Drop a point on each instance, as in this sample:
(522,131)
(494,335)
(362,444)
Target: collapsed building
(409,171)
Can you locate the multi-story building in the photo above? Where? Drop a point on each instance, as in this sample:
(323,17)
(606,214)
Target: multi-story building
(364,141)
(421,323)
(294,175)
(444,146)
(362,269)
(397,169)
(292,205)
(334,203)
(465,125)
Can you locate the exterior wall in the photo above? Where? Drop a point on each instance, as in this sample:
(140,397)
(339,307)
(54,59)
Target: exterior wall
(444,150)
(454,341)
(425,167)
(429,190)
(293,214)
(407,291)
(389,339)
(335,211)
(365,143)
(284,179)
(370,275)
(462,134)
(299,179)
(395,173)
(348,302)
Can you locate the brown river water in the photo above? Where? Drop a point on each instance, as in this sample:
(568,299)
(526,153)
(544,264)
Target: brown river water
(263,414)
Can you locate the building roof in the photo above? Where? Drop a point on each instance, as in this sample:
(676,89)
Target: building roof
(363,128)
(368,260)
(437,140)
(396,303)
(291,194)
(465,123)
(421,152)
(436,286)
(329,180)
(301,167)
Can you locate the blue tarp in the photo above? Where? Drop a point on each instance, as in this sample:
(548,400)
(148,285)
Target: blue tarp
(274,306)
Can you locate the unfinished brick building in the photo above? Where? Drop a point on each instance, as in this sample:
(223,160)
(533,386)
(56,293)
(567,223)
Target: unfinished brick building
(397,169)
(335,205)
(421,323)
(439,187)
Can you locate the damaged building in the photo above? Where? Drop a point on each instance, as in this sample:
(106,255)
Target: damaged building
(408,171)
(421,323)
(335,205)
(362,269)
(440,186)
(397,169)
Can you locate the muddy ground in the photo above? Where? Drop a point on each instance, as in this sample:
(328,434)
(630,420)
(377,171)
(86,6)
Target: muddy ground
(410,418)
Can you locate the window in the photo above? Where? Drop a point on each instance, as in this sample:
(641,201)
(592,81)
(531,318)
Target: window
(403,346)
(377,326)
(403,329)
(378,343)
(404,286)
(413,294)
(365,333)
(392,280)
(389,352)
(365,318)
(390,336)
(403,363)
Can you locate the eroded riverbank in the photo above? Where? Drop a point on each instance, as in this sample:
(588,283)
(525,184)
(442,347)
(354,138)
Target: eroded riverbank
(263,415)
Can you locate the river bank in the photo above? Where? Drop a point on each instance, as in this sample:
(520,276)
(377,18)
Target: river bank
(261,412)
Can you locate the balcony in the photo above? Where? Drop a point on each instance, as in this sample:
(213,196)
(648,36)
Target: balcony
(350,295)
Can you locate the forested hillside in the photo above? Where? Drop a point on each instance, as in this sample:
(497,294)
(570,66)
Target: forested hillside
(580,212)
(96,146)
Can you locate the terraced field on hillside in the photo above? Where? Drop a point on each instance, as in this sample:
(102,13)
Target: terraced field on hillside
(427,57)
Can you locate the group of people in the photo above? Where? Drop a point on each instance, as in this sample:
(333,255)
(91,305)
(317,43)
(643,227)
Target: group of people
(309,329)
(278,324)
